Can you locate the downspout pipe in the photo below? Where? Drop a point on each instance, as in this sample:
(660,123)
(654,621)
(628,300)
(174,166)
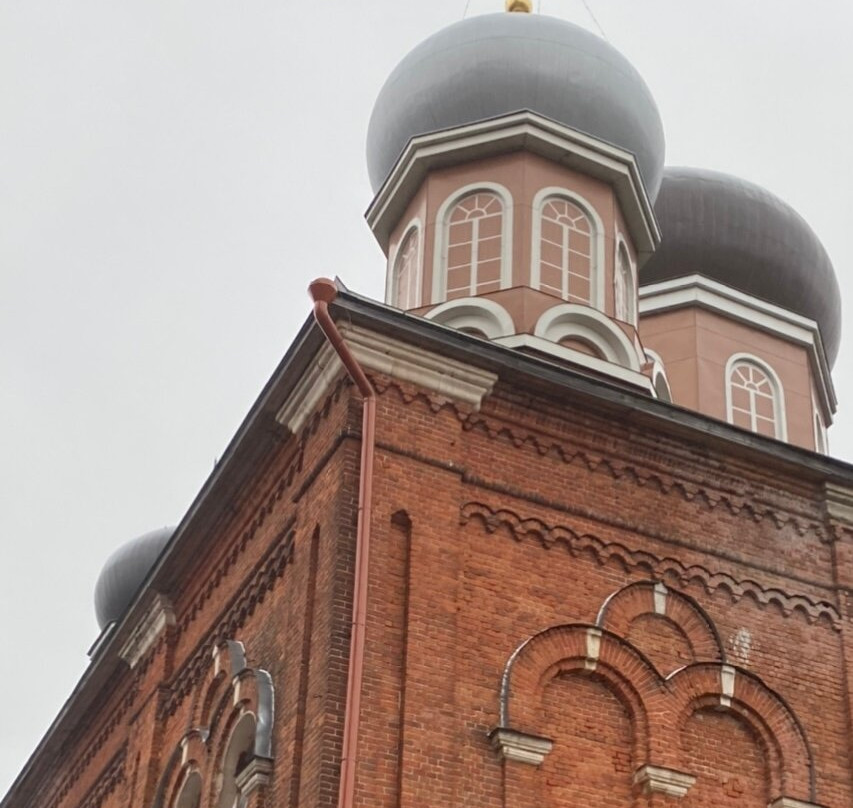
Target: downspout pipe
(323,291)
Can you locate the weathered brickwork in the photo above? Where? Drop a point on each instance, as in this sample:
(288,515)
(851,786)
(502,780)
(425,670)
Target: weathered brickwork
(662,622)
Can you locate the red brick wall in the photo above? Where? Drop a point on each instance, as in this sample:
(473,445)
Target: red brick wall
(490,529)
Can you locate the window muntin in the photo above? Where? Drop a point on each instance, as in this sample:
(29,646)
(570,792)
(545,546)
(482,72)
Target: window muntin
(406,278)
(754,399)
(566,266)
(474,245)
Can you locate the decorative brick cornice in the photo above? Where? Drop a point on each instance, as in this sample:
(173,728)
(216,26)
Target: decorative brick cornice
(689,485)
(659,780)
(158,616)
(520,746)
(111,777)
(548,535)
(261,581)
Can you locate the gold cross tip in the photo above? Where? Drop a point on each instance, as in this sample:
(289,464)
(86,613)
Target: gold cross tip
(525,6)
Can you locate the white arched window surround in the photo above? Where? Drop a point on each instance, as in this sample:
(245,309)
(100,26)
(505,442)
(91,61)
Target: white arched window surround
(775,385)
(439,274)
(590,325)
(597,269)
(660,382)
(474,313)
(414,227)
(631,280)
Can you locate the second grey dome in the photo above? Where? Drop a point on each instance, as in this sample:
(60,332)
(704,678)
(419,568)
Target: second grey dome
(125,571)
(741,235)
(496,64)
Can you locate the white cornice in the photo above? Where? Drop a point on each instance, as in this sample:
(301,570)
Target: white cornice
(515,132)
(448,377)
(696,290)
(310,388)
(157,617)
(789,802)
(455,380)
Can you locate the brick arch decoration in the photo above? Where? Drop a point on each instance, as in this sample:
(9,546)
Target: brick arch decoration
(586,650)
(232,691)
(727,687)
(658,707)
(652,597)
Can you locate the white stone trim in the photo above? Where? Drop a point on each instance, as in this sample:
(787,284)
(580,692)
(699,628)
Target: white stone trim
(695,290)
(660,592)
(779,412)
(565,354)
(414,225)
(509,133)
(658,373)
(658,780)
(256,774)
(621,243)
(597,259)
(790,802)
(448,377)
(576,320)
(310,389)
(157,617)
(519,746)
(727,685)
(593,648)
(474,312)
(839,502)
(439,262)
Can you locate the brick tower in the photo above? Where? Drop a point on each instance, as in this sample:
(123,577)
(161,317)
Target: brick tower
(552,526)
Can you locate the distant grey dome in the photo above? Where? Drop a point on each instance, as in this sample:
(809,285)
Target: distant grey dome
(495,64)
(124,573)
(741,235)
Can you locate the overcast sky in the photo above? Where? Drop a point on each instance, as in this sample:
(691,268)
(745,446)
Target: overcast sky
(168,173)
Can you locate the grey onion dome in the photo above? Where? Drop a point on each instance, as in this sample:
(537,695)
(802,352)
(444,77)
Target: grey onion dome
(124,572)
(739,234)
(496,64)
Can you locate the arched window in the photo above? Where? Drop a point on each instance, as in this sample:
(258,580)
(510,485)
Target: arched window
(623,287)
(238,755)
(566,251)
(190,793)
(474,239)
(821,444)
(754,397)
(405,279)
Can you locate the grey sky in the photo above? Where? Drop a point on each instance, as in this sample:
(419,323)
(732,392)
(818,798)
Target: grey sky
(169,171)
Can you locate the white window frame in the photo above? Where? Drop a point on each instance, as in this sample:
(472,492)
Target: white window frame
(775,384)
(439,271)
(597,284)
(621,247)
(414,226)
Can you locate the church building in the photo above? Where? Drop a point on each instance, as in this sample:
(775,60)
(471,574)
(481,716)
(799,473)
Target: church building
(554,525)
